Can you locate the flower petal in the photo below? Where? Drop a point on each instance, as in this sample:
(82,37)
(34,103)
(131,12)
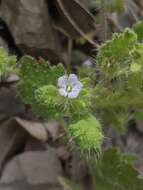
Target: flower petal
(75,91)
(63,92)
(72,79)
(73,94)
(62,81)
(79,85)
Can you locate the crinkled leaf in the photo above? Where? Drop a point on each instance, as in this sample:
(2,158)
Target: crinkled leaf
(48,100)
(116,171)
(35,74)
(119,80)
(118,48)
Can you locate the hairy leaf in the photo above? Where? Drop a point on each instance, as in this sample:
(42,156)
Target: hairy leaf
(87,135)
(118,48)
(116,171)
(119,82)
(35,74)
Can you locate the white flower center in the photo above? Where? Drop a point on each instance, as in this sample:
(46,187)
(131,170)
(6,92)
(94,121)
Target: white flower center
(69,88)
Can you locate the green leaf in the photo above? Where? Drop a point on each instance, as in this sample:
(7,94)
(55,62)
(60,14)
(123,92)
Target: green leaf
(46,94)
(48,102)
(119,82)
(118,48)
(51,102)
(38,87)
(116,171)
(87,135)
(34,74)
(138,28)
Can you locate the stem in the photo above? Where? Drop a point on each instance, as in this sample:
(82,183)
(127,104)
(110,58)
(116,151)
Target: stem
(69,55)
(104,19)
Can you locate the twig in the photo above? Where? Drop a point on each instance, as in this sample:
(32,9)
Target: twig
(69,55)
(104,20)
(114,23)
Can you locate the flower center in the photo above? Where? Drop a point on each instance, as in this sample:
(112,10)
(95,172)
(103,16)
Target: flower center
(69,88)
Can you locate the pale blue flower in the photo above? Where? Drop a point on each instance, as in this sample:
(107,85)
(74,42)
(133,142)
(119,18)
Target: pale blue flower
(88,63)
(69,86)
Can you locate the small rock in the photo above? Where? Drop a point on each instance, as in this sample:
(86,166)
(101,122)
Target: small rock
(30,25)
(134,146)
(10,104)
(34,128)
(34,144)
(12,78)
(12,140)
(139,126)
(53,129)
(37,168)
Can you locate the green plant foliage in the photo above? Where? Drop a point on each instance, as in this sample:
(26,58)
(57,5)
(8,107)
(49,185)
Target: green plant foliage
(118,49)
(48,101)
(34,75)
(59,107)
(87,135)
(35,78)
(119,81)
(7,63)
(138,28)
(38,87)
(116,171)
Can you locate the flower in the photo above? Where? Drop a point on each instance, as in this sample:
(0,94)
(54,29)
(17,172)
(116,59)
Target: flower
(88,63)
(69,86)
